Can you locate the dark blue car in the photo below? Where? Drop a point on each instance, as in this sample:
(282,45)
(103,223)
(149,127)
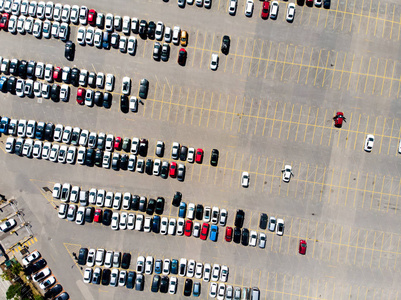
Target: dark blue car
(156,224)
(174,266)
(4,125)
(3,84)
(182,210)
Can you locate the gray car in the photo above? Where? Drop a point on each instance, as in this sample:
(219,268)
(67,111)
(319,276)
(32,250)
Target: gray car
(140,279)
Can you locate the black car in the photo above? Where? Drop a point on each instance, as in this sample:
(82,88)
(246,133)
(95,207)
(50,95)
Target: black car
(62,296)
(237,235)
(18,148)
(182,57)
(214,158)
(225,44)
(106,277)
(75,138)
(151,30)
(183,153)
(135,202)
(140,281)
(67,76)
(126,260)
(14,67)
(263,221)
(130,280)
(143,147)
(164,285)
(106,221)
(156,224)
(89,214)
(98,157)
(177,199)
(69,50)
(245,237)
(30,71)
(165,52)
(188,287)
(23,65)
(54,291)
(11,83)
(39,132)
(107,100)
(49,130)
(159,205)
(143,88)
(143,27)
(82,256)
(124,105)
(40,264)
(199,212)
(326,3)
(149,166)
(89,157)
(115,163)
(75,76)
(55,92)
(239,218)
(98,98)
(142,204)
(115,40)
(151,207)
(124,161)
(155,284)
(164,171)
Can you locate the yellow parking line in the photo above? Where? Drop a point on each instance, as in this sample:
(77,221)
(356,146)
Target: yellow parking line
(307,172)
(381,140)
(356,135)
(201,111)
(235,56)
(367,24)
(321,190)
(242,114)
(225,112)
(385,71)
(282,121)
(193,110)
(377,17)
(392,23)
(314,128)
(250,110)
(271,186)
(324,74)
(232,118)
(264,175)
(314,183)
(335,18)
(217,115)
(285,59)
(260,58)
(391,81)
(161,108)
(309,66)
(276,60)
(274,118)
(364,190)
(203,49)
(346,196)
(307,123)
(352,16)
(257,171)
(357,81)
(321,137)
(299,120)
(346,140)
(300,66)
(169,105)
(381,194)
(374,82)
(342,25)
(185,110)
(384,23)
(210,109)
(153,106)
(367,75)
(268,58)
(352,65)
(389,141)
(250,63)
(256,125)
(289,125)
(293,59)
(317,66)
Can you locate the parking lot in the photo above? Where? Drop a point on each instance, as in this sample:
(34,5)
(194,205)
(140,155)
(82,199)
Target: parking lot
(270,103)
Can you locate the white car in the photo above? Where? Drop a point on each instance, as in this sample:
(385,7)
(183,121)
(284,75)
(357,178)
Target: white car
(318,3)
(19,88)
(37,89)
(163,225)
(99,260)
(223,217)
(65,13)
(274,10)
(49,10)
(10,145)
(191,155)
(191,268)
(214,62)
(88,275)
(100,198)
(213,290)
(131,222)
(139,222)
(198,270)
(133,104)
(126,86)
(32,8)
(81,35)
(80,216)
(249,8)
(24,7)
(123,44)
(369,142)
(83,139)
(108,25)
(156,167)
(62,154)
(215,272)
(172,285)
(140,264)
(115,218)
(221,291)
(191,211)
(167,34)
(90,32)
(109,82)
(159,31)
(171,226)
(29,24)
(64,93)
(20,24)
(207,271)
(49,73)
(126,24)
(290,12)
(63,31)
(108,202)
(232,8)
(181,3)
(71,154)
(272,224)
(90,261)
(131,45)
(253,236)
(208,3)
(245,179)
(280,227)
(287,173)
(149,265)
(215,215)
(262,240)
(21,129)
(100,80)
(196,230)
(207,214)
(123,220)
(58,133)
(12,24)
(37,149)
(97,39)
(83,15)
(399,148)
(109,142)
(48,282)
(15,8)
(57,12)
(30,258)
(224,273)
(180,226)
(30,129)
(40,11)
(176,35)
(106,160)
(54,152)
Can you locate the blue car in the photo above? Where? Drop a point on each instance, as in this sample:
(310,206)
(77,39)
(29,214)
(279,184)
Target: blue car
(214,232)
(183,209)
(4,125)
(158,266)
(156,224)
(174,266)
(3,84)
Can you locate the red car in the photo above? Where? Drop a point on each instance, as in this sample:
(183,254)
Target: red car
(4,21)
(205,231)
(338,119)
(182,56)
(188,228)
(302,247)
(57,74)
(199,155)
(229,234)
(173,169)
(92,17)
(80,96)
(117,143)
(98,216)
(265,10)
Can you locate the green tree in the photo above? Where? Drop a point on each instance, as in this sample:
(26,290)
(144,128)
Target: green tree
(14,292)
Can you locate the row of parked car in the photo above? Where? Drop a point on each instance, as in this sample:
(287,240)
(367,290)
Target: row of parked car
(39,70)
(36,266)
(207,214)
